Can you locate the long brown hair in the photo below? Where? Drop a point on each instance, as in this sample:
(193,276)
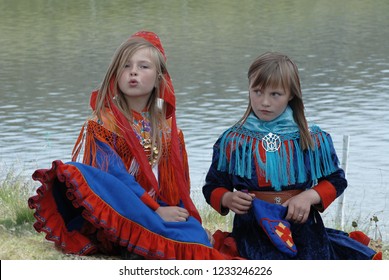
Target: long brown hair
(277,69)
(109,88)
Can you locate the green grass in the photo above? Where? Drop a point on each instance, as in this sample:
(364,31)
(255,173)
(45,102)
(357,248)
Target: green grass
(14,192)
(19,241)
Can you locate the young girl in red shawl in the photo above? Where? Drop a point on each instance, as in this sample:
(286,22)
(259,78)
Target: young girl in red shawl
(131,192)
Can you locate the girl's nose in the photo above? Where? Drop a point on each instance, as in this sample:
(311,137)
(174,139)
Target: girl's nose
(133,70)
(265,101)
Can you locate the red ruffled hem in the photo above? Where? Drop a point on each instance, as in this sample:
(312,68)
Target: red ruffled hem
(112,227)
(51,222)
(226,244)
(365,240)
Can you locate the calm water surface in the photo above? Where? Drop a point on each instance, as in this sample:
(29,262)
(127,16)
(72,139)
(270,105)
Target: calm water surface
(54,53)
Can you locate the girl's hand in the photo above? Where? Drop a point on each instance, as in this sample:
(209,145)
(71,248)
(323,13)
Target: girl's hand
(299,206)
(173,213)
(238,202)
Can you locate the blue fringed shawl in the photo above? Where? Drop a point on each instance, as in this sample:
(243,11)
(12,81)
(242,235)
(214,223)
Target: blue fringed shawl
(240,146)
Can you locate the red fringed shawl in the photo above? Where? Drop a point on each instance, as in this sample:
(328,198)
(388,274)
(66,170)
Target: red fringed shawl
(108,133)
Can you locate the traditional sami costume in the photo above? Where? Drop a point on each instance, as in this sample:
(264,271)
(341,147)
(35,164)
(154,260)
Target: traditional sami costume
(265,158)
(107,202)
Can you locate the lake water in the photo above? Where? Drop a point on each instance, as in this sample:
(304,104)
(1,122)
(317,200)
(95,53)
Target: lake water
(54,53)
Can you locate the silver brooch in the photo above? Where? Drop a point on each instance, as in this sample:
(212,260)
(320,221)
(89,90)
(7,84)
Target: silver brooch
(271,142)
(278,200)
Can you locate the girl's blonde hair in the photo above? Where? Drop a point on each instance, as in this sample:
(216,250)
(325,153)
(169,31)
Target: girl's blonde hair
(276,69)
(110,90)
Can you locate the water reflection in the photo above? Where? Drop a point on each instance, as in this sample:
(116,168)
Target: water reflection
(53,54)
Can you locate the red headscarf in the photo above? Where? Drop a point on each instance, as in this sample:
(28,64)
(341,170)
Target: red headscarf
(167,94)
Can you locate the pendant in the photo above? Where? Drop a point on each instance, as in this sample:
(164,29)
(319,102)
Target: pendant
(271,142)
(151,152)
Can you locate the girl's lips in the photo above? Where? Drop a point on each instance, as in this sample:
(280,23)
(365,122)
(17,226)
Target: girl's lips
(133,83)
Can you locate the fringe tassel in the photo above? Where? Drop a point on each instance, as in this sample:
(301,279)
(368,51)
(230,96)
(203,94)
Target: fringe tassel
(301,173)
(86,142)
(272,161)
(283,167)
(291,162)
(167,180)
(249,159)
(79,144)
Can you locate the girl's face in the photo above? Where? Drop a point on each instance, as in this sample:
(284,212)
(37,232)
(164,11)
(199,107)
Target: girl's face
(138,79)
(270,102)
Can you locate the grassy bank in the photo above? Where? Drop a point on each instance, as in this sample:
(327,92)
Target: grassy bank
(19,241)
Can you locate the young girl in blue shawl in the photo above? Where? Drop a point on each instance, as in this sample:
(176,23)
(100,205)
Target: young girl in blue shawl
(276,174)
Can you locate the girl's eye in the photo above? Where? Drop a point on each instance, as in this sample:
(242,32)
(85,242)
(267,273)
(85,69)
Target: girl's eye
(142,66)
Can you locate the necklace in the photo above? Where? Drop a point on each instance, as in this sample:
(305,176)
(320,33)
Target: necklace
(141,126)
(151,152)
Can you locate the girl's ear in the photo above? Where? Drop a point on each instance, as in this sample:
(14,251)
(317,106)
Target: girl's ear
(291,97)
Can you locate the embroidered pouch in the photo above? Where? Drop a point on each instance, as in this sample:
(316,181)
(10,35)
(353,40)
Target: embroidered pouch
(271,219)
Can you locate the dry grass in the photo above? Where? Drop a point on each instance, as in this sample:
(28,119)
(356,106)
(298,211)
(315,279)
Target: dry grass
(26,245)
